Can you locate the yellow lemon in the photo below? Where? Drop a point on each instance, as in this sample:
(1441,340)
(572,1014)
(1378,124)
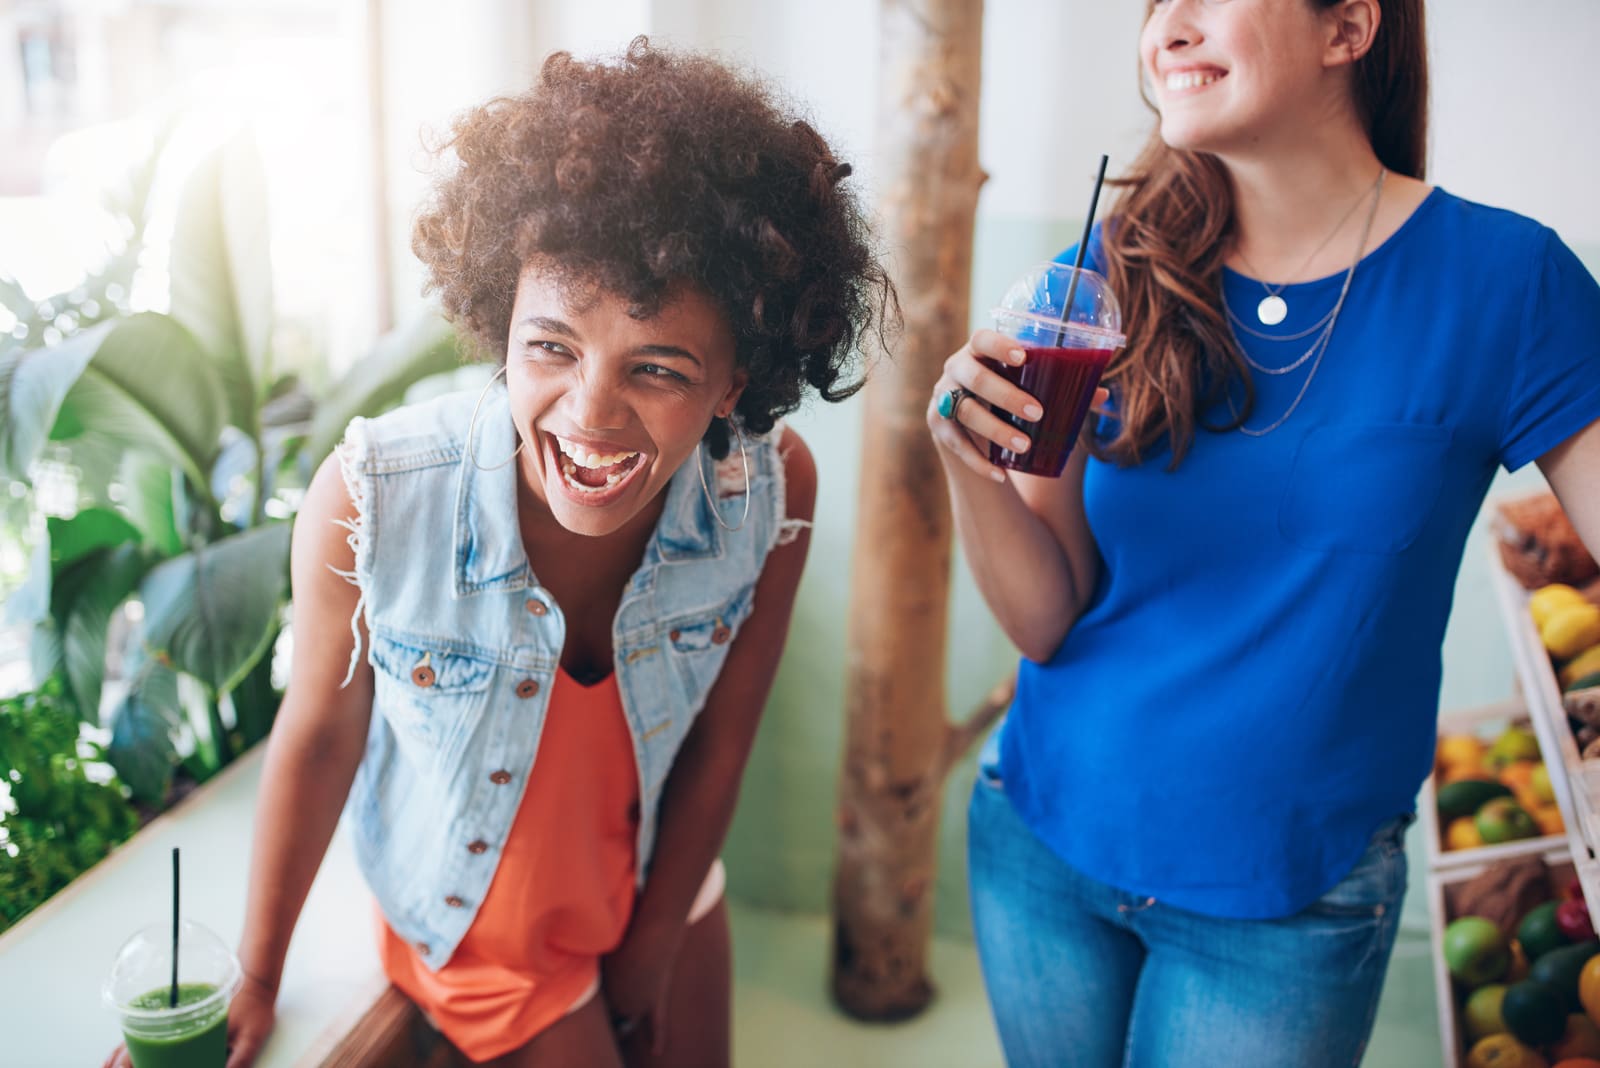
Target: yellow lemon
(1571,629)
(1459,750)
(1543,602)
(1462,834)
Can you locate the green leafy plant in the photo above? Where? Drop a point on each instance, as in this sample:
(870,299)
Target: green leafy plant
(183,439)
(59,821)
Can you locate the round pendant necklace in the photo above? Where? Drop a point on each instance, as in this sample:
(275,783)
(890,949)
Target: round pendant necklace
(1273,309)
(1320,346)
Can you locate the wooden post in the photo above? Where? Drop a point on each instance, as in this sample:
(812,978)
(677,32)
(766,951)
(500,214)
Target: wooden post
(899,743)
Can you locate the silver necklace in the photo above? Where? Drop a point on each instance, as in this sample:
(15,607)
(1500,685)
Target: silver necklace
(1320,346)
(1273,309)
(1233,318)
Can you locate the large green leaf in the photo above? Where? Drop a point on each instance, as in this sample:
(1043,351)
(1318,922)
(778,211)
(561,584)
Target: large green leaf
(143,724)
(150,386)
(91,529)
(222,272)
(255,702)
(212,612)
(426,345)
(152,489)
(33,383)
(68,541)
(45,657)
(114,573)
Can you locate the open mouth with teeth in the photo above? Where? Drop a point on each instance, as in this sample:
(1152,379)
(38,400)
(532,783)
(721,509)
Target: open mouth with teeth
(590,474)
(1193,79)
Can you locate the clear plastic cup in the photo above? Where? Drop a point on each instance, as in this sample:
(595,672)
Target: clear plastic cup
(1067,350)
(195,1033)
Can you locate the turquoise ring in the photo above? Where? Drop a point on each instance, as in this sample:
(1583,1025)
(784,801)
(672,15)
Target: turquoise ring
(951,400)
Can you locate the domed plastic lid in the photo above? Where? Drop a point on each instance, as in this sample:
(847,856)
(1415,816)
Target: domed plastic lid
(142,973)
(1036,311)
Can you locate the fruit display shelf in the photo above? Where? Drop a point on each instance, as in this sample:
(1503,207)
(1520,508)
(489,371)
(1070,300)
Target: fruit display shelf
(1444,895)
(1575,782)
(1487,719)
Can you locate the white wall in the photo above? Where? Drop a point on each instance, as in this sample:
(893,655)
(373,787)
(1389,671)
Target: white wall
(1514,102)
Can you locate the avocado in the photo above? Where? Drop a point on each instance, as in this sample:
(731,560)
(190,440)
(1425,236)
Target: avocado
(1539,933)
(1534,1013)
(1560,968)
(1465,797)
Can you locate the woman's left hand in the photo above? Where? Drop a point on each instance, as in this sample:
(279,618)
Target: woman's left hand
(634,978)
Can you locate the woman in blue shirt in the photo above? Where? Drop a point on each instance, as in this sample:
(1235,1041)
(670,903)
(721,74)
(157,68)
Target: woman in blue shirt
(1186,841)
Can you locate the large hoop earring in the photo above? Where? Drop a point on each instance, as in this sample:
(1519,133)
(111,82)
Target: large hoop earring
(744,459)
(472,428)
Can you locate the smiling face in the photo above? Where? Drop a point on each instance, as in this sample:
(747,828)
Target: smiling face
(1231,75)
(609,406)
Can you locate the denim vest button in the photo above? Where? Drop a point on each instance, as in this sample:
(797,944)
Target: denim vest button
(479,846)
(424,949)
(423,675)
(527,688)
(499,778)
(720,635)
(675,635)
(537,607)
(454,902)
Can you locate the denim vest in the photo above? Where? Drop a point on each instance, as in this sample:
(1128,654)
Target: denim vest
(465,643)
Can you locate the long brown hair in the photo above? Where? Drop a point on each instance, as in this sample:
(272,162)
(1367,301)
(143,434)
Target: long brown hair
(1169,233)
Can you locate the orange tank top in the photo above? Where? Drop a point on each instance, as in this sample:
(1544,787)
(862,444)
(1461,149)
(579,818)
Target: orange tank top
(562,893)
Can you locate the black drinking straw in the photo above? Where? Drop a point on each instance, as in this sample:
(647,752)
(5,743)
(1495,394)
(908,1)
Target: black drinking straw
(1083,246)
(172,1000)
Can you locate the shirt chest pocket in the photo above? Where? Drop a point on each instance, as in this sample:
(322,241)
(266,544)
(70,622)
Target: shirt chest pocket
(430,697)
(1365,488)
(698,643)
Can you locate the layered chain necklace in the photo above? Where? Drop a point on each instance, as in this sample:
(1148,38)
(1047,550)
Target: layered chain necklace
(1323,327)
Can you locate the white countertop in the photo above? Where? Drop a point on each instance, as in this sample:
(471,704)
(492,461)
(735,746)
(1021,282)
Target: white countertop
(52,963)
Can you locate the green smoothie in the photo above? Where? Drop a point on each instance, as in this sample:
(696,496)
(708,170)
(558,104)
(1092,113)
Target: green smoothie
(200,1042)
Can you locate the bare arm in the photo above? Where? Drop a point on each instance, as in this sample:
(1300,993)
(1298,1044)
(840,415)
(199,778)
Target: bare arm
(698,800)
(318,738)
(1573,471)
(316,743)
(1002,518)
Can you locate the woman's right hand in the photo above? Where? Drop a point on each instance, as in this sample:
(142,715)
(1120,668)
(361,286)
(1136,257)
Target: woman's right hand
(966,433)
(251,1014)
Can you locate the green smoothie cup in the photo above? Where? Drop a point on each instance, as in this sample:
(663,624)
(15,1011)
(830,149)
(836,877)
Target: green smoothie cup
(192,1034)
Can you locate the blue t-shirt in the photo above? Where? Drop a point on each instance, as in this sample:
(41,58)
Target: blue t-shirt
(1253,686)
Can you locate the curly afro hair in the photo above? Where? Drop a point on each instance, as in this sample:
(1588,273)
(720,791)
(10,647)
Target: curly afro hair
(653,171)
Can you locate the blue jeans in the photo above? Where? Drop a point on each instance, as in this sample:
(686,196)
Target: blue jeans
(1082,975)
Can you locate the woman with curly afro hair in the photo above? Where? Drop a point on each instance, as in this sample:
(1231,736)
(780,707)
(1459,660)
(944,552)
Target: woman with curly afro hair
(535,626)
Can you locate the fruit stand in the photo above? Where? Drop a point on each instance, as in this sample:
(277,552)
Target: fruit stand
(1576,782)
(1514,906)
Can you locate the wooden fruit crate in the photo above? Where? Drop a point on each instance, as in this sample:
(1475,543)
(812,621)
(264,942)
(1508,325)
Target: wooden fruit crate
(1493,717)
(1444,888)
(1576,782)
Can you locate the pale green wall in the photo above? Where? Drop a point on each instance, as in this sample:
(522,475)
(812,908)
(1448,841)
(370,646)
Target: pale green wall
(780,852)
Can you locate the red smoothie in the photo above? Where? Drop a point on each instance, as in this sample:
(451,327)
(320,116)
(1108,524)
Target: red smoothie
(1063,381)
